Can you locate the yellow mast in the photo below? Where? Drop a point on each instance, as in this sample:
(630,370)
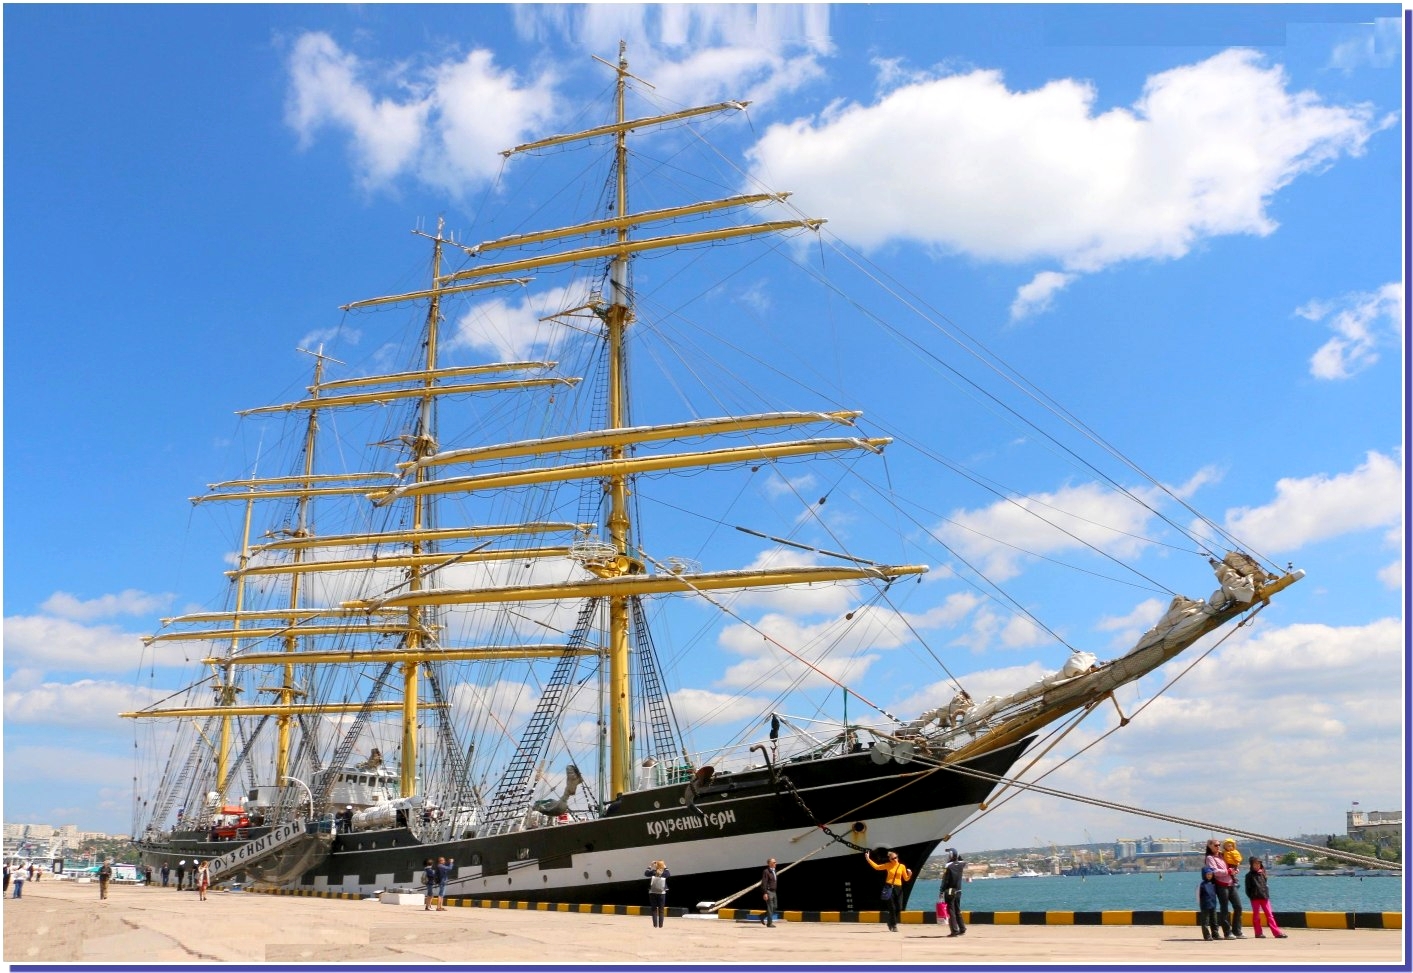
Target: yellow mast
(287,692)
(422,446)
(620,735)
(226,690)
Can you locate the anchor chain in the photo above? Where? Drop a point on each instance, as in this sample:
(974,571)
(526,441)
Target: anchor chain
(779,779)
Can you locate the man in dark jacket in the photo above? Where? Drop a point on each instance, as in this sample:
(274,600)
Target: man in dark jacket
(952,892)
(768,884)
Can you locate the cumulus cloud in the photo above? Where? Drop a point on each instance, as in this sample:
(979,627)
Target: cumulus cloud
(91,704)
(697,53)
(1362,324)
(129,602)
(702,707)
(781,652)
(1320,692)
(444,124)
(1318,507)
(1037,296)
(1041,175)
(1376,44)
(69,646)
(996,538)
(1128,629)
(510,329)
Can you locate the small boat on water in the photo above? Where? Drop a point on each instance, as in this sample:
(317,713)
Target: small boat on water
(438,634)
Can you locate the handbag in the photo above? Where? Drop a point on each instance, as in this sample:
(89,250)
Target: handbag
(887,895)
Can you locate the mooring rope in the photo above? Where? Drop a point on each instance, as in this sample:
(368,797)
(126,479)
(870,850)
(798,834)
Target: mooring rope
(1364,860)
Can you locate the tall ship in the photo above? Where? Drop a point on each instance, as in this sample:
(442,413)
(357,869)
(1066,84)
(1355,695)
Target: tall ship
(441,630)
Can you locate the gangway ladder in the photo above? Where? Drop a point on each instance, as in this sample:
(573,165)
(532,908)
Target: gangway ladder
(257,850)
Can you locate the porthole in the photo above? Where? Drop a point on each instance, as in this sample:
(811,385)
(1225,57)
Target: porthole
(545,877)
(609,873)
(657,804)
(586,875)
(476,859)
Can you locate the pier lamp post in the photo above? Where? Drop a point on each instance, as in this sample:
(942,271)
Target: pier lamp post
(307,791)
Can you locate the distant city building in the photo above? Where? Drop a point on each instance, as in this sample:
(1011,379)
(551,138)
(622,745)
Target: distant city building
(45,841)
(1149,845)
(1374,825)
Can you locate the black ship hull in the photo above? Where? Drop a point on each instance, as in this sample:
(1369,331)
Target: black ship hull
(715,846)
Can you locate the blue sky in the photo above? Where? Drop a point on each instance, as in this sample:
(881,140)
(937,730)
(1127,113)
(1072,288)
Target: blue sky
(1184,223)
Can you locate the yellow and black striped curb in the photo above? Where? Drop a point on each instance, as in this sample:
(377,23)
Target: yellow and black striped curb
(1114,917)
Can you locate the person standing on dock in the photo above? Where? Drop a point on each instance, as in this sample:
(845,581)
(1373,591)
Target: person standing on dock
(444,869)
(429,879)
(1207,905)
(1228,899)
(203,878)
(181,873)
(952,878)
(1258,890)
(105,875)
(166,873)
(768,885)
(893,881)
(657,875)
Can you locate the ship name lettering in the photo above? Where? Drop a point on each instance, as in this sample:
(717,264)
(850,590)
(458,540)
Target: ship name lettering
(685,822)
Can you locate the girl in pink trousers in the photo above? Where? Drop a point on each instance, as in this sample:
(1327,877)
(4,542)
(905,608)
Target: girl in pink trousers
(1259,892)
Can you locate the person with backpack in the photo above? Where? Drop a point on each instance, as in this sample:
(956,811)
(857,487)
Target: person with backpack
(430,878)
(657,875)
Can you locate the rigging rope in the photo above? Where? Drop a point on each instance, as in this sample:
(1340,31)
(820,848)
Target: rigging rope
(775,642)
(1208,826)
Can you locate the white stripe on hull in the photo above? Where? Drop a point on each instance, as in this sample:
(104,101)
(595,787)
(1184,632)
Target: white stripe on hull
(699,857)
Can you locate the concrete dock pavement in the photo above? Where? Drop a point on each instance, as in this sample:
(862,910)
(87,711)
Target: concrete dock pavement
(65,922)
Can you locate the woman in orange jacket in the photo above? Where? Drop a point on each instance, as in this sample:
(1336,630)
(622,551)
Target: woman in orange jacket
(897,874)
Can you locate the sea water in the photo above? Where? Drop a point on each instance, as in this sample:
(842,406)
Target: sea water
(1167,890)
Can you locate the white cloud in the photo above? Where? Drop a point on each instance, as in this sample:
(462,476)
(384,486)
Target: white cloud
(445,124)
(1037,296)
(1128,629)
(64,645)
(702,707)
(1375,44)
(783,652)
(697,53)
(1266,700)
(511,329)
(1362,324)
(997,537)
(979,685)
(88,703)
(1322,506)
(326,90)
(1038,175)
(129,602)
